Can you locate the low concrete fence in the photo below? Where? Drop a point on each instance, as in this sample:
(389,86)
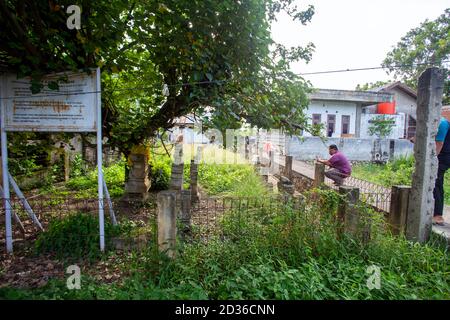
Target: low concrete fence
(307,148)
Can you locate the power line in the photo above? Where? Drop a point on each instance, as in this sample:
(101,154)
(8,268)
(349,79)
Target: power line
(369,68)
(222,81)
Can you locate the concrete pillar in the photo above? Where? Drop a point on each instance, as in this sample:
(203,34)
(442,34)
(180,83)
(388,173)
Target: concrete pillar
(194,181)
(421,200)
(264,172)
(167,227)
(247,149)
(399,209)
(285,186)
(391,149)
(288,167)
(185,212)
(138,183)
(176,178)
(358,120)
(319,174)
(66,165)
(271,161)
(348,215)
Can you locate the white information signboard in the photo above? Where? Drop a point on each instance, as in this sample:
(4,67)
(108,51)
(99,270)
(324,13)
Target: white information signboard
(73,108)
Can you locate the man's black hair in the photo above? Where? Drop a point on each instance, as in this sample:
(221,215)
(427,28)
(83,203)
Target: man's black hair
(333,146)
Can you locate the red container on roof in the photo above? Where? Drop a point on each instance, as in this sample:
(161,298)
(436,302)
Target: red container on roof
(386,108)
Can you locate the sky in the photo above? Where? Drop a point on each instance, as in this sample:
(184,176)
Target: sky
(352,34)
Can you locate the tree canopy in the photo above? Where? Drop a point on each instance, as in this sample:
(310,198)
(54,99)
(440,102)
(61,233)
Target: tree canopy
(217,59)
(370,85)
(422,47)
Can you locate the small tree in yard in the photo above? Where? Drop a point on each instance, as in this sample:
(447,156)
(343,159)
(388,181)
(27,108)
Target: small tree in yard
(381,126)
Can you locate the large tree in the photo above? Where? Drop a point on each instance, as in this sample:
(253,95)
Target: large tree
(213,55)
(422,47)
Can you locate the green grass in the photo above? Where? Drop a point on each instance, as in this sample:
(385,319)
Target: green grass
(279,252)
(225,179)
(397,172)
(86,185)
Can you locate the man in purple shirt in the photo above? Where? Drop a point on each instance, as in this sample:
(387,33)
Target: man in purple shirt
(340,166)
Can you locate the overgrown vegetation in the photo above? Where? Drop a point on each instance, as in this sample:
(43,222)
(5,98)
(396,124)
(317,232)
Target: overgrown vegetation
(279,251)
(397,172)
(214,176)
(74,236)
(286,253)
(86,185)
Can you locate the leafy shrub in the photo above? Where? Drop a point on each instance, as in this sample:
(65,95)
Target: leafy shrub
(23,166)
(114,177)
(161,168)
(396,172)
(74,236)
(286,253)
(77,167)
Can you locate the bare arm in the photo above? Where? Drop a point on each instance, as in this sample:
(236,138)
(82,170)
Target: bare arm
(326,162)
(439,145)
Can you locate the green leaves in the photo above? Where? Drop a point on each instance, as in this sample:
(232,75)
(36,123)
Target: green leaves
(422,47)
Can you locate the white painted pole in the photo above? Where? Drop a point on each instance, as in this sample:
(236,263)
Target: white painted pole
(108,198)
(6,194)
(16,218)
(101,219)
(24,202)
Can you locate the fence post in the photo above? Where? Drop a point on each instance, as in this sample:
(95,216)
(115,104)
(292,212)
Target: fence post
(319,174)
(167,227)
(185,217)
(176,178)
(247,151)
(421,200)
(347,214)
(264,171)
(271,161)
(288,167)
(194,181)
(399,209)
(66,165)
(285,186)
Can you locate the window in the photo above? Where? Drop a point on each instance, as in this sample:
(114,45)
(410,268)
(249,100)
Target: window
(345,125)
(316,118)
(411,127)
(331,122)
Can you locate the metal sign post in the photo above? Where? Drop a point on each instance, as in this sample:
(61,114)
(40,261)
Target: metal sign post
(76,107)
(99,163)
(6,193)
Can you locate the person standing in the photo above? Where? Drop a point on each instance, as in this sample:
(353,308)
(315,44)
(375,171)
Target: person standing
(340,166)
(443,154)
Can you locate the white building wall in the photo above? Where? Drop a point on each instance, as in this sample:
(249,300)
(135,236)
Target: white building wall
(332,107)
(404,103)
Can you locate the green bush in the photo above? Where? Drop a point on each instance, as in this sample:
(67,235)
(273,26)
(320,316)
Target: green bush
(283,253)
(114,176)
(396,172)
(161,168)
(74,236)
(77,167)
